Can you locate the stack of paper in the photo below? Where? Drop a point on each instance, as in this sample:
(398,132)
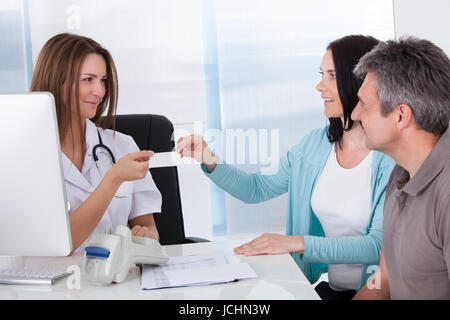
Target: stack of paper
(194,270)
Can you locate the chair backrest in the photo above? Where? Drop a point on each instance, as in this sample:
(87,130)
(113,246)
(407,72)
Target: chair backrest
(155,132)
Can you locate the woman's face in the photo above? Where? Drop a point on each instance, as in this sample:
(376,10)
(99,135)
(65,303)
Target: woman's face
(91,85)
(328,88)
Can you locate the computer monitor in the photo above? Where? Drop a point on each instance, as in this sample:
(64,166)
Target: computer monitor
(34,219)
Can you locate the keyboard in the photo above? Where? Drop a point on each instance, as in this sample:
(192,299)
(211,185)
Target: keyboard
(31,277)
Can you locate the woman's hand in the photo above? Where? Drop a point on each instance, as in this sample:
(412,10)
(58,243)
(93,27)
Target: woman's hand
(195,146)
(133,166)
(270,243)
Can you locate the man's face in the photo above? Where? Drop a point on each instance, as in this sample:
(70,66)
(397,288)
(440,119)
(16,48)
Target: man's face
(380,131)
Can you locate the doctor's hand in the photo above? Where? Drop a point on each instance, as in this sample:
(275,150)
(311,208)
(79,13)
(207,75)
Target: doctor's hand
(195,146)
(144,231)
(133,166)
(270,243)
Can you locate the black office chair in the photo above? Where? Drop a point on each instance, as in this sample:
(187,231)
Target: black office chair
(155,132)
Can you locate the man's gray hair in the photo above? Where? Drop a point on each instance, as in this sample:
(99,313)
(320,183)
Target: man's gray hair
(414,72)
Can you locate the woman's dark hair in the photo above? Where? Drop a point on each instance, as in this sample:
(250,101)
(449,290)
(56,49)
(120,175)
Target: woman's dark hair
(346,53)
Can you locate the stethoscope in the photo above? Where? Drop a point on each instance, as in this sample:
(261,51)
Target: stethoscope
(101,145)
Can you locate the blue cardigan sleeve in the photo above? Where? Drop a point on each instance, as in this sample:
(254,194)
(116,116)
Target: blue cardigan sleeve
(257,187)
(358,249)
(250,187)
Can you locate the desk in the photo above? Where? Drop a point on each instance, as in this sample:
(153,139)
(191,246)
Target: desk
(278,278)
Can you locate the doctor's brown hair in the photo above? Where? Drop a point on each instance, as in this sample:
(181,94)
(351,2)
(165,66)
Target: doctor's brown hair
(58,71)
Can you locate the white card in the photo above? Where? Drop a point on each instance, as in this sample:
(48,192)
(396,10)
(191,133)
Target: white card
(165,159)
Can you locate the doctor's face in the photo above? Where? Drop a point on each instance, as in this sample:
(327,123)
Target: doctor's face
(91,85)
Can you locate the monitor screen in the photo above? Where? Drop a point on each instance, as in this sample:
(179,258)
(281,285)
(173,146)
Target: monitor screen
(34,219)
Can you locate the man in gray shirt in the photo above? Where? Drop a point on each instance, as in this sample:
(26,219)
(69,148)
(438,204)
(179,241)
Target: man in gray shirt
(404,110)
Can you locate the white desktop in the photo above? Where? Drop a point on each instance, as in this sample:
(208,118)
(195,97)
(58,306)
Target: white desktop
(278,278)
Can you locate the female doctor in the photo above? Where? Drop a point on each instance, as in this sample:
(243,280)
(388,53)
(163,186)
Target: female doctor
(102,192)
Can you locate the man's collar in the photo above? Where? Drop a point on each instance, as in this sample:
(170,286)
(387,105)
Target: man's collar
(430,168)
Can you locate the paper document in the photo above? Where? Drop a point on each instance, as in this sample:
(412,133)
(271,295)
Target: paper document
(194,270)
(165,159)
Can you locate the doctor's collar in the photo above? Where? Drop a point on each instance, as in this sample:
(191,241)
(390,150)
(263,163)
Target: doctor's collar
(91,136)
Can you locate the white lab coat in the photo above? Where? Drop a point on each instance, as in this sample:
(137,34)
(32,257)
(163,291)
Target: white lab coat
(133,199)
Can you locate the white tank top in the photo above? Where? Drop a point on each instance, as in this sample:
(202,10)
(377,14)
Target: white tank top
(341,202)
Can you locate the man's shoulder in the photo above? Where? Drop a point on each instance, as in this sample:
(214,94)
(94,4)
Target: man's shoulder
(443,179)
(443,182)
(442,205)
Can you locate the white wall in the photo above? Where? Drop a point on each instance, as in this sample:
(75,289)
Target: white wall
(13,55)
(424,19)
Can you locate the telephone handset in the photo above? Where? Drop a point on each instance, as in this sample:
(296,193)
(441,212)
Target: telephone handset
(110,255)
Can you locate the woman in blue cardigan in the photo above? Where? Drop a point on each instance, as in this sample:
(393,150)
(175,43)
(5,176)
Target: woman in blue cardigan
(336,185)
